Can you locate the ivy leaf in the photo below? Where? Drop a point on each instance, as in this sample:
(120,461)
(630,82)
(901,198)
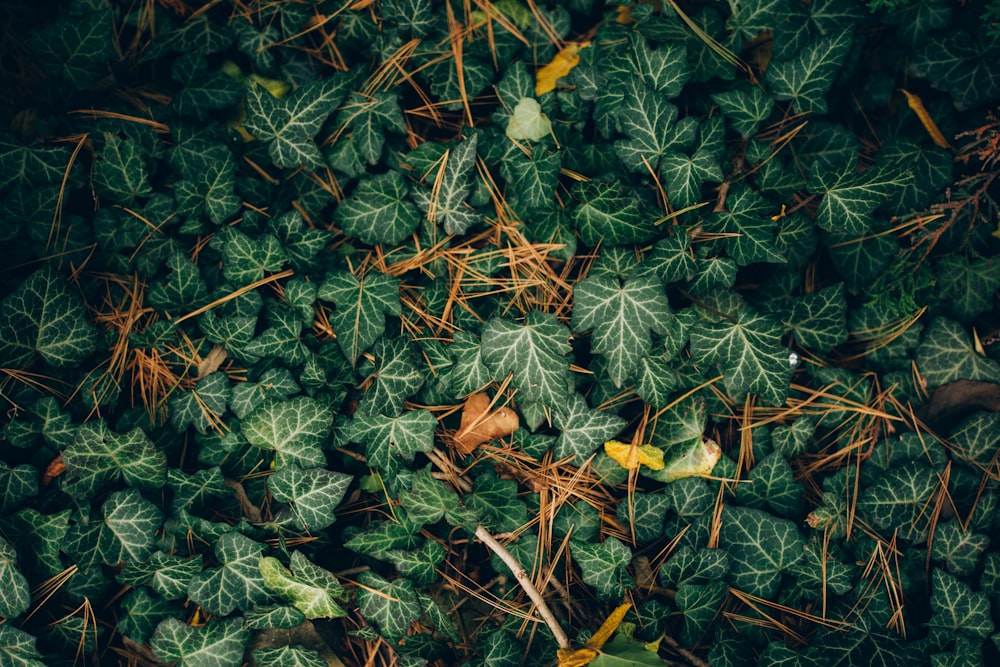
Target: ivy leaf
(953,61)
(428,500)
(468,373)
(15,596)
(383,536)
(621,316)
(142,613)
(236,583)
(748,228)
(532,177)
(647,118)
(202,406)
(293,429)
(168,576)
(496,500)
(120,171)
(665,68)
(583,430)
(126,532)
(699,604)
(959,548)
(288,656)
(289,124)
(99,457)
(687,565)
(957,609)
(273,383)
(760,547)
(246,260)
(745,109)
(806,77)
(608,215)
(389,438)
(378,211)
(603,567)
(309,588)
(17,484)
(368,118)
(17,647)
(850,197)
(397,376)
(218,643)
(76,47)
(684,175)
(749,354)
(898,499)
(445,204)
(314,492)
(965,287)
(361,308)
(391,606)
(43,318)
(536,352)
(209,180)
(819,319)
(771,485)
(946,354)
(183,288)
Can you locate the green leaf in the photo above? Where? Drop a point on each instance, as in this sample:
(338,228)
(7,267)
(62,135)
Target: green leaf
(293,429)
(246,260)
(771,485)
(745,109)
(126,532)
(806,77)
(273,383)
(536,353)
(99,457)
(603,567)
(621,317)
(361,308)
(282,617)
(142,613)
(397,376)
(168,576)
(17,648)
(428,500)
(898,500)
(850,197)
(953,61)
(418,566)
(314,492)
(748,353)
(609,215)
(218,643)
(120,171)
(281,340)
(383,536)
(15,596)
(977,438)
(665,68)
(289,124)
(644,513)
(209,180)
(390,606)
(957,609)
(288,656)
(527,122)
(77,47)
(378,210)
(532,177)
(699,604)
(308,588)
(236,583)
(687,565)
(182,289)
(760,547)
(40,537)
(749,228)
(368,118)
(684,175)
(17,484)
(468,373)
(647,118)
(202,406)
(819,319)
(959,548)
(390,438)
(496,500)
(445,204)
(622,651)
(583,430)
(965,288)
(44,318)
(946,354)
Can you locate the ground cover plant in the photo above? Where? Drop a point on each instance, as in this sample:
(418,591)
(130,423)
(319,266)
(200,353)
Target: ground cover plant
(395,332)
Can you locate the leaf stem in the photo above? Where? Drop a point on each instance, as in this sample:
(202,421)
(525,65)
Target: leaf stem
(522,578)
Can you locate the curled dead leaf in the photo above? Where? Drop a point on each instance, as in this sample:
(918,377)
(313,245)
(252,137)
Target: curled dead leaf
(481,425)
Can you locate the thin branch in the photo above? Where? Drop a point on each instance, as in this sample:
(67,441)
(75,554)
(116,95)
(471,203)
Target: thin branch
(522,578)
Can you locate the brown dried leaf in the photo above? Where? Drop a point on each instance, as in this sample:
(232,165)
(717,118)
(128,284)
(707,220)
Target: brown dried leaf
(481,425)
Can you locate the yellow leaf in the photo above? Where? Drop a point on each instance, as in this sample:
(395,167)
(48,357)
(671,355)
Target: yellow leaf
(560,65)
(579,657)
(632,456)
(917,105)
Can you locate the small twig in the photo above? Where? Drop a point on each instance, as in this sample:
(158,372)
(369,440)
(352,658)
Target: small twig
(522,578)
(250,511)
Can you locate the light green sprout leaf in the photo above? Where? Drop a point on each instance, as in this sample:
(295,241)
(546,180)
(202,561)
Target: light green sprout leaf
(527,122)
(308,588)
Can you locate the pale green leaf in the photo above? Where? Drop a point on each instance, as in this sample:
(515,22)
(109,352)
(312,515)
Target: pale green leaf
(308,588)
(314,493)
(17,648)
(293,429)
(218,643)
(288,656)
